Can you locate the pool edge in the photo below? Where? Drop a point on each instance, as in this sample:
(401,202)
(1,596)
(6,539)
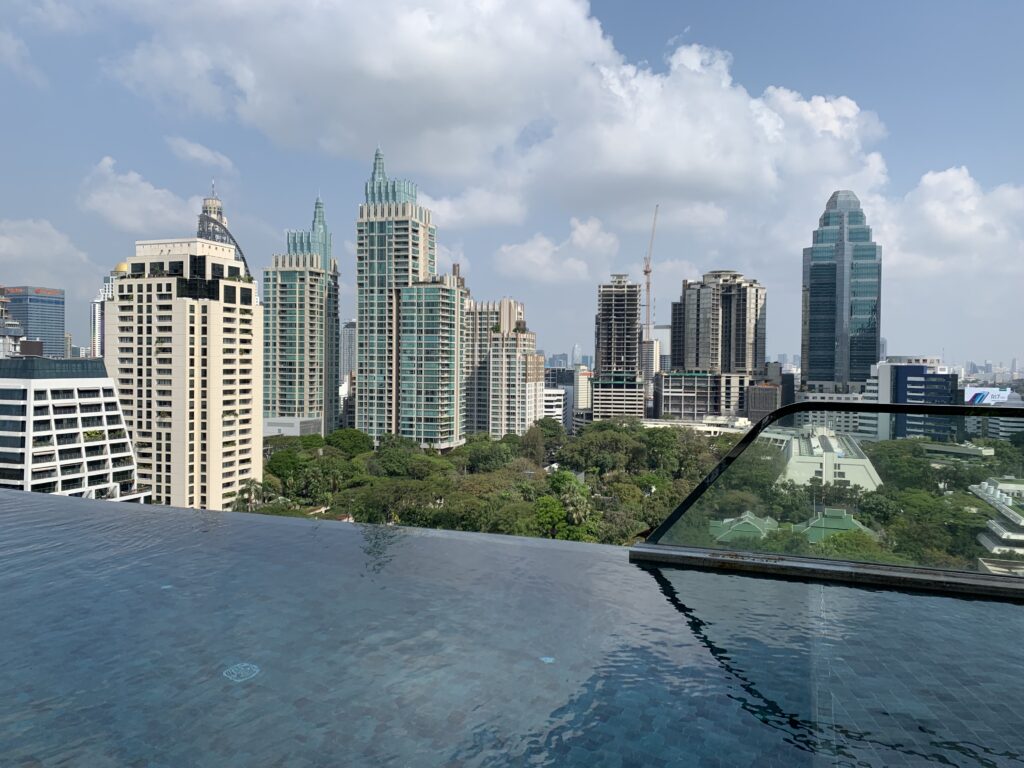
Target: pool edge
(950,583)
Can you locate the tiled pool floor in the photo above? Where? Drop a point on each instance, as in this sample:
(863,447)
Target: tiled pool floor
(135,636)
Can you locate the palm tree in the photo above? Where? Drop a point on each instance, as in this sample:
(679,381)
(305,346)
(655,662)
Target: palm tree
(249,497)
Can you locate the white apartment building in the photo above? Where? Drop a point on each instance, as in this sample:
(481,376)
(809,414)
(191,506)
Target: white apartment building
(554,404)
(62,431)
(184,340)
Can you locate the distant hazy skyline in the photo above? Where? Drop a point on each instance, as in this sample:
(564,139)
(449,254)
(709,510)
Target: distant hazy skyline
(542,133)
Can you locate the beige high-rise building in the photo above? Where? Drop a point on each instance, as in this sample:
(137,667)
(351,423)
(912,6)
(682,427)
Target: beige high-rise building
(184,342)
(505,390)
(482,319)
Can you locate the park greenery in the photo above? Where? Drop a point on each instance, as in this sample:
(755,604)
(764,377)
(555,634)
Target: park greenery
(608,484)
(616,480)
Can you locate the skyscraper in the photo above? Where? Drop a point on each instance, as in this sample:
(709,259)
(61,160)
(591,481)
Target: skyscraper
(718,324)
(618,385)
(410,322)
(505,387)
(482,319)
(41,314)
(842,283)
(301,334)
(184,333)
(431,350)
(348,348)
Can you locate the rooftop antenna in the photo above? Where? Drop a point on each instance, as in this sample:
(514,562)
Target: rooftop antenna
(648,331)
(213,187)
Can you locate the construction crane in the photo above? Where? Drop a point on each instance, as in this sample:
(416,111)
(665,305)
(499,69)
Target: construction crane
(648,328)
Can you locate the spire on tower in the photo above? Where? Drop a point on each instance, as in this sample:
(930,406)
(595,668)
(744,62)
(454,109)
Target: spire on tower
(318,213)
(378,166)
(213,187)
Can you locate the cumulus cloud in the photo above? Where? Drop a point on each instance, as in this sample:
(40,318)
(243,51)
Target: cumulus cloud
(583,255)
(476,207)
(130,203)
(948,222)
(526,110)
(194,152)
(34,252)
(466,74)
(14,55)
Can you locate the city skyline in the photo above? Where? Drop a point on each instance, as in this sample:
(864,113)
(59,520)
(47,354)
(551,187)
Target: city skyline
(527,198)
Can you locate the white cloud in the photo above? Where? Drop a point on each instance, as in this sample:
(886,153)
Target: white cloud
(948,222)
(130,203)
(34,252)
(465,74)
(447,257)
(194,152)
(584,255)
(526,110)
(14,55)
(475,207)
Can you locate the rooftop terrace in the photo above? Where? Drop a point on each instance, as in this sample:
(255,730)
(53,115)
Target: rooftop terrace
(164,637)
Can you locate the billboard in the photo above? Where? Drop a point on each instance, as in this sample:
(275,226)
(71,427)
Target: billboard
(986,395)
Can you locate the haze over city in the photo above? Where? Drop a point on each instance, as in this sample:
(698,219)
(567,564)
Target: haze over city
(541,134)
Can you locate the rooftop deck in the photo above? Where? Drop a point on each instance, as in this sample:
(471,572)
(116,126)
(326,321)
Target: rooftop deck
(153,636)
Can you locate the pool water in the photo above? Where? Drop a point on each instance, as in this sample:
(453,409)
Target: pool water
(141,636)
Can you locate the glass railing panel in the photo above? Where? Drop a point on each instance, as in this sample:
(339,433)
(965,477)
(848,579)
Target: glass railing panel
(917,489)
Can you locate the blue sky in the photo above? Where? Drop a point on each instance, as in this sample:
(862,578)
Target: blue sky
(542,132)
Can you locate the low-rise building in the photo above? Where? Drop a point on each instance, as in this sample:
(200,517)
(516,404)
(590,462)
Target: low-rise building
(692,396)
(831,457)
(554,404)
(1005,534)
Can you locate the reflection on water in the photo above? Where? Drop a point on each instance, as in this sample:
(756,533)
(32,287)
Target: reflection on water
(379,542)
(832,738)
(718,691)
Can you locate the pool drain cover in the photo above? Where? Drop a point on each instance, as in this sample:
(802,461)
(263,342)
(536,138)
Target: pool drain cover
(237,673)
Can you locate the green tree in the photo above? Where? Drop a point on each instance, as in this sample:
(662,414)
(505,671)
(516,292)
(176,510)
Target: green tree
(351,442)
(250,496)
(554,436)
(532,445)
(487,456)
(573,495)
(549,518)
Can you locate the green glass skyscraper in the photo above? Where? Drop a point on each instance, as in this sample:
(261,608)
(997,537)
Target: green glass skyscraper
(842,300)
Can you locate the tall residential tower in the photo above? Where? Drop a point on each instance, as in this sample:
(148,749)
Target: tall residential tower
(301,337)
(410,322)
(718,324)
(184,334)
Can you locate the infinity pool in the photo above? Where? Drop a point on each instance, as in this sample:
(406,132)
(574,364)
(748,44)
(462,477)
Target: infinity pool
(142,636)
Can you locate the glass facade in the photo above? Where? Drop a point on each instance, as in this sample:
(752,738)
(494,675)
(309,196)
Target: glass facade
(41,314)
(842,278)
